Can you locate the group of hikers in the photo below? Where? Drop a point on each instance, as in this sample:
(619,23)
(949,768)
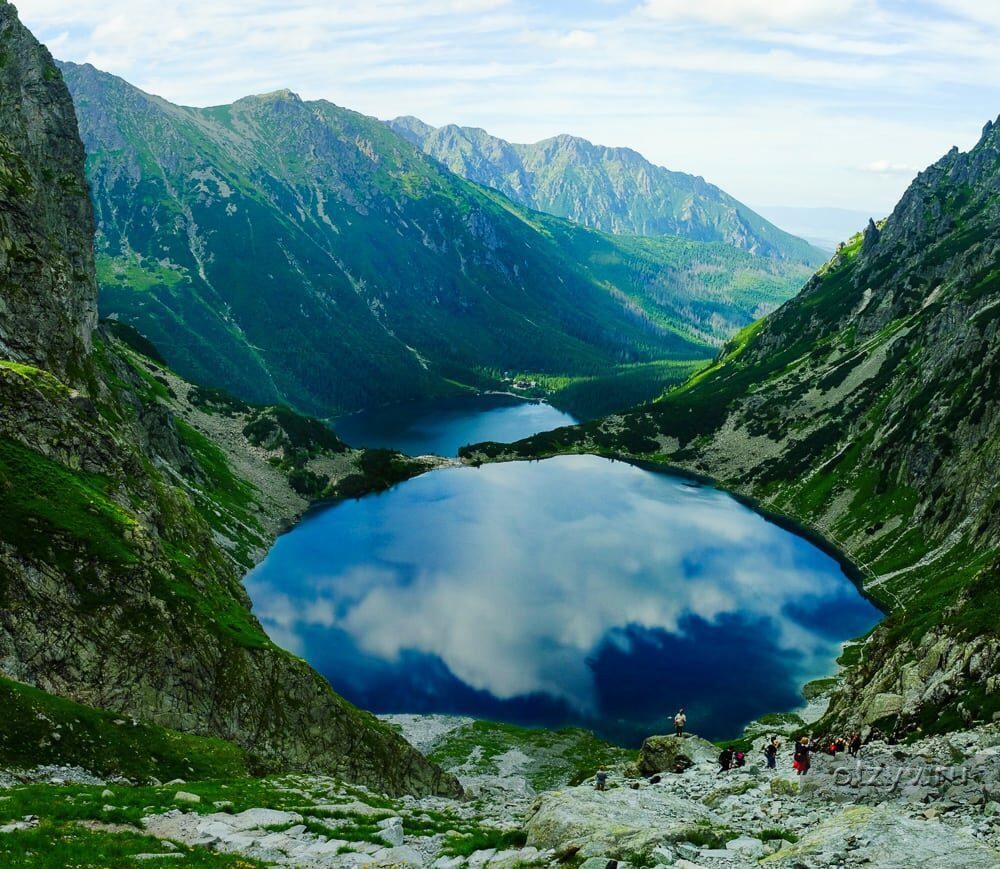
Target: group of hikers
(803,749)
(732,757)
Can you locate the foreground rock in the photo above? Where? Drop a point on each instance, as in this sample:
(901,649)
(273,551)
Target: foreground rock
(617,824)
(879,836)
(933,803)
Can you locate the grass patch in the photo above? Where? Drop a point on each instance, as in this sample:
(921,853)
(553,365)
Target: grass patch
(557,757)
(58,846)
(773,834)
(484,839)
(704,835)
(40,728)
(55,514)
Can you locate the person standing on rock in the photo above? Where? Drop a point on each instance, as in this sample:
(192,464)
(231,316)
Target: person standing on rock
(602,778)
(680,719)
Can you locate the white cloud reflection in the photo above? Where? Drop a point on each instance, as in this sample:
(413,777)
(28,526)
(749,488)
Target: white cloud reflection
(514,575)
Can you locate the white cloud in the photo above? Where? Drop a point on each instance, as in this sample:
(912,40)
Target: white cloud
(579,39)
(887,167)
(752,13)
(720,88)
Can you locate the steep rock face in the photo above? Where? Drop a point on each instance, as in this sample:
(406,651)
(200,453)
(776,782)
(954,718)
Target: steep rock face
(297,251)
(48,295)
(867,408)
(124,529)
(125,533)
(612,189)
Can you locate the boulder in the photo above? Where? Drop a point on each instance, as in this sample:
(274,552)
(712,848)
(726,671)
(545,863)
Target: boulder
(674,753)
(614,823)
(401,856)
(514,857)
(747,846)
(604,863)
(391,831)
(883,837)
(883,705)
(254,819)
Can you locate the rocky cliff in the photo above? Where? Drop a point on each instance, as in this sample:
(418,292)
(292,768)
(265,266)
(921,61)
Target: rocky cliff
(867,410)
(131,503)
(48,295)
(612,189)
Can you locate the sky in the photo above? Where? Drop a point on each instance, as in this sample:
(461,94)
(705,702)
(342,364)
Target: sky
(807,103)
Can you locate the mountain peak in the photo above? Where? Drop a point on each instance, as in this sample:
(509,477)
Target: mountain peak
(281,95)
(612,189)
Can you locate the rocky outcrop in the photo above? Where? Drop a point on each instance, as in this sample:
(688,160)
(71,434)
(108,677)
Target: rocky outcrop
(124,529)
(614,824)
(933,803)
(48,293)
(673,753)
(878,836)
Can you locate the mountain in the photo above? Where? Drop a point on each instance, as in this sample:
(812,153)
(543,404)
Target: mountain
(298,252)
(131,503)
(867,410)
(823,227)
(615,190)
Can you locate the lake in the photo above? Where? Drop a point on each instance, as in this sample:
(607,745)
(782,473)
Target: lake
(574,590)
(441,427)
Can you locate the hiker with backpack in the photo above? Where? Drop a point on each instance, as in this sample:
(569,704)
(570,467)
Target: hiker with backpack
(725,760)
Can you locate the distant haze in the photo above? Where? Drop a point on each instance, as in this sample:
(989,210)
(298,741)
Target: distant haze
(799,102)
(823,227)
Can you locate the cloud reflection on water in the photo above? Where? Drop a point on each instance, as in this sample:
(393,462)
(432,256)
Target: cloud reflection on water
(576,586)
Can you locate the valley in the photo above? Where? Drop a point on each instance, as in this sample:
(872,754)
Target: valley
(297,252)
(306,416)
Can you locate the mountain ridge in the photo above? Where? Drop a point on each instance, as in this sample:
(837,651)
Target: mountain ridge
(299,252)
(614,189)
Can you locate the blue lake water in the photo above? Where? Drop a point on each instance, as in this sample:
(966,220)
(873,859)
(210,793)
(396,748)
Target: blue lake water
(441,427)
(570,591)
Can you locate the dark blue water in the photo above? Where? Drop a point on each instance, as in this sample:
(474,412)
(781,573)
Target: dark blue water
(574,590)
(441,427)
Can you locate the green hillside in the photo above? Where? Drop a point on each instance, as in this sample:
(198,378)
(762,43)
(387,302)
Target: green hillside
(299,252)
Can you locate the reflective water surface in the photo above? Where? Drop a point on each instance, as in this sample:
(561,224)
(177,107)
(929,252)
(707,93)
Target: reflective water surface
(442,426)
(574,590)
